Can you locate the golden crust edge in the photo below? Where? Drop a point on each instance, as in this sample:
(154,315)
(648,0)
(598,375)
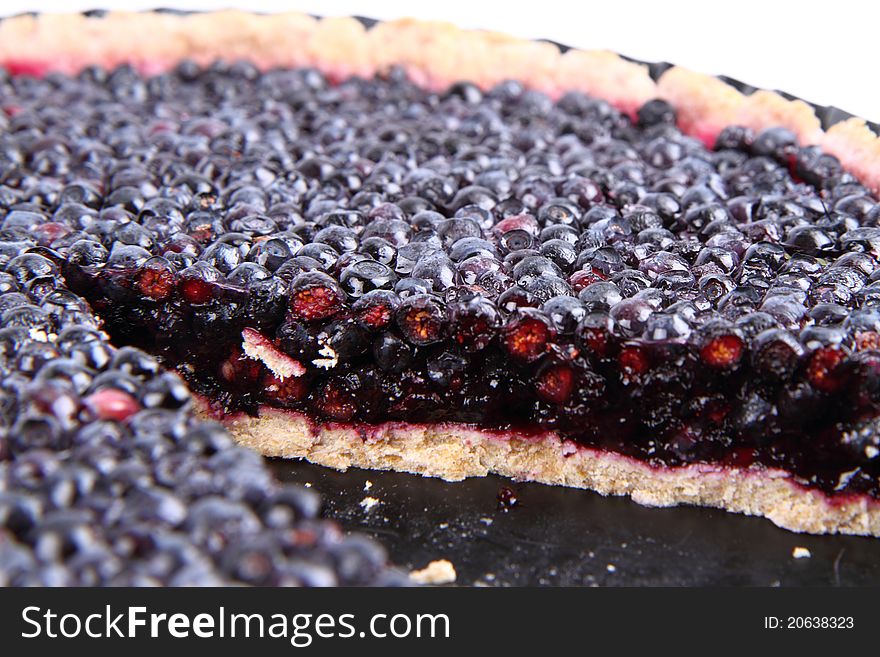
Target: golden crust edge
(435,54)
(454,452)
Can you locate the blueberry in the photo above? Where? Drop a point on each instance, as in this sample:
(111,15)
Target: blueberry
(562,253)
(603,259)
(774,142)
(247,274)
(663,327)
(215,521)
(602,295)
(341,239)
(545,286)
(630,317)
(362,277)
(735,137)
(380,250)
(453,230)
(437,269)
(127,257)
(346,338)
(473,322)
(526,335)
(564,312)
(409,255)
(655,112)
(358,560)
(776,353)
(29,266)
(315,296)
(135,362)
(810,240)
(391,353)
(422,319)
(715,286)
(473,270)
(861,240)
(375,309)
(271,253)
(560,211)
(662,262)
(165,391)
(559,232)
(630,282)
(532,267)
(324,254)
(409,286)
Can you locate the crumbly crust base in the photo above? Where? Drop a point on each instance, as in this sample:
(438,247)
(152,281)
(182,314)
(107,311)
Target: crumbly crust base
(454,452)
(434,54)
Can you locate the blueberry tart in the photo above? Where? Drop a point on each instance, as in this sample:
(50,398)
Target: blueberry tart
(451,253)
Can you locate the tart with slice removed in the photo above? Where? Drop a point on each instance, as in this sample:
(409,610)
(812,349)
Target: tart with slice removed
(451,253)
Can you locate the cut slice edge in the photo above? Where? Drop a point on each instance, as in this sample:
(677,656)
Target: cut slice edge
(454,452)
(434,54)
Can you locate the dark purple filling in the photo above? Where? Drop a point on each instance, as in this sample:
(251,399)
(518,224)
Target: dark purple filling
(107,475)
(497,259)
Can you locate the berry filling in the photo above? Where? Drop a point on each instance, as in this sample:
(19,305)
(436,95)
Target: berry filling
(107,475)
(370,251)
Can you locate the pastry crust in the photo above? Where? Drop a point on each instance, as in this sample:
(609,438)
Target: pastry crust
(454,452)
(434,54)
(706,104)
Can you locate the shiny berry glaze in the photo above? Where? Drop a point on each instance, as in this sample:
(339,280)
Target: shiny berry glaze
(492,258)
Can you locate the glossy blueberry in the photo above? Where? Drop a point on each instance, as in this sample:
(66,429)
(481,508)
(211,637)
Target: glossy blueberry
(362,277)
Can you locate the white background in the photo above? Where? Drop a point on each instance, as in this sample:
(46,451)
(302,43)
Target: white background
(827,52)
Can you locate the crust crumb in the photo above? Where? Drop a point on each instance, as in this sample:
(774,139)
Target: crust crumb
(801,553)
(256,346)
(440,571)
